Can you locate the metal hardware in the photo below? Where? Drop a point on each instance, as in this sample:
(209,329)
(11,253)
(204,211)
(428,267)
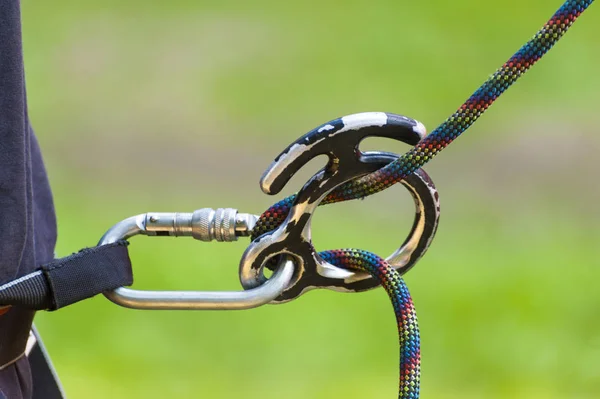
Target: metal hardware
(339,140)
(205,225)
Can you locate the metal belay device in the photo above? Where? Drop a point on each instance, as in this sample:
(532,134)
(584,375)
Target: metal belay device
(298,267)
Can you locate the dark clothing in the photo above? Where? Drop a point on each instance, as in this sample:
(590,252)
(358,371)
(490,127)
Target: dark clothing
(27,220)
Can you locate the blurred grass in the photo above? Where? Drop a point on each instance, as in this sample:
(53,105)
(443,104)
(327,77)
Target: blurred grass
(173,106)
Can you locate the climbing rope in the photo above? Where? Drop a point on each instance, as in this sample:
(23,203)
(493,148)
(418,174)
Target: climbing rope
(407,164)
(406,317)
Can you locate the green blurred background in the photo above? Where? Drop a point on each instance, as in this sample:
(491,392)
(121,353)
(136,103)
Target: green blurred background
(177,105)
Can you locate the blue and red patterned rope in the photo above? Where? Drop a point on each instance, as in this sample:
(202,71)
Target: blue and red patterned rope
(407,164)
(406,317)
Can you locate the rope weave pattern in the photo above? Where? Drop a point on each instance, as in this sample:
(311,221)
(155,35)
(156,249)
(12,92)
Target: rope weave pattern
(469,112)
(408,328)
(408,163)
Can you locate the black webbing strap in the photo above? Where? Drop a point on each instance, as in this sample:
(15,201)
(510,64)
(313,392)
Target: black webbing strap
(46,384)
(65,281)
(54,285)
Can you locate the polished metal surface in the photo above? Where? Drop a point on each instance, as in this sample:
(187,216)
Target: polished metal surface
(244,224)
(220,225)
(210,224)
(223,224)
(426,218)
(339,140)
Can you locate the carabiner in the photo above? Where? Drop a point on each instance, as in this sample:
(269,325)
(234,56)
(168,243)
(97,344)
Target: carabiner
(206,225)
(339,140)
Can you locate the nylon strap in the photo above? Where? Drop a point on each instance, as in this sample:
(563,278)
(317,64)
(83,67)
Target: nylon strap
(65,281)
(45,382)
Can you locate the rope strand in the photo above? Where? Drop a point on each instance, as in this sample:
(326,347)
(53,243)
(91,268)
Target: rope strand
(406,317)
(469,112)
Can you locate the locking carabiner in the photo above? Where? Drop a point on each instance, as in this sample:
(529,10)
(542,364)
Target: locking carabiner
(205,225)
(339,140)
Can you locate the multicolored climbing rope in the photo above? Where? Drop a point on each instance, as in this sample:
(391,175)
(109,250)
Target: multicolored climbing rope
(470,111)
(408,328)
(452,127)
(414,159)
